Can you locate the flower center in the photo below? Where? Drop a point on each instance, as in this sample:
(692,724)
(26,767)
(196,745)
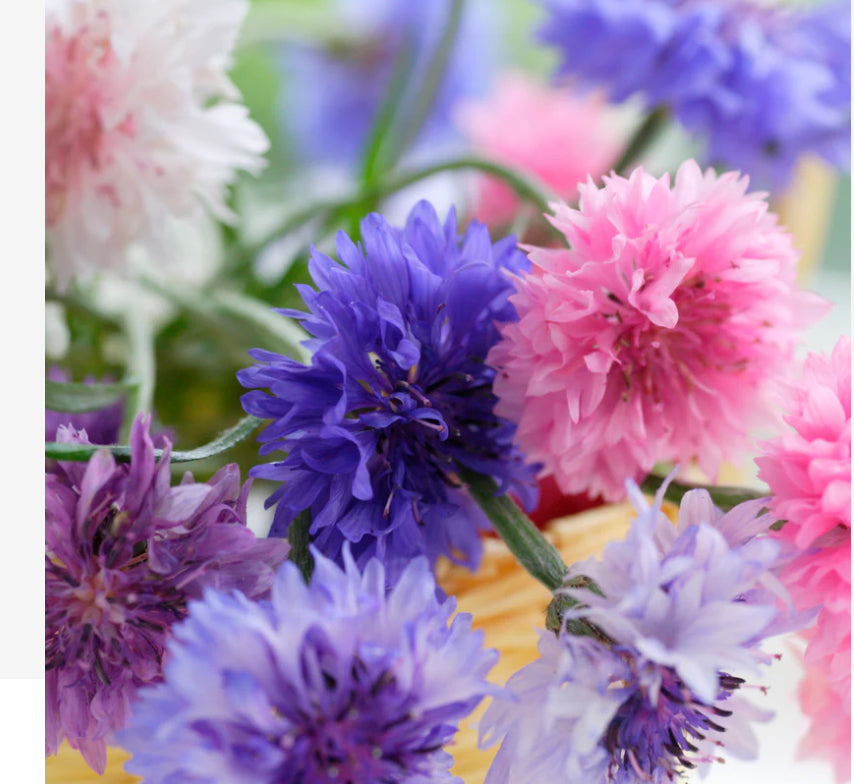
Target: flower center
(669,733)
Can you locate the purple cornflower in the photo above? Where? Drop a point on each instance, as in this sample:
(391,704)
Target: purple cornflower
(334,681)
(397,397)
(652,692)
(125,551)
(101,426)
(762,84)
(334,90)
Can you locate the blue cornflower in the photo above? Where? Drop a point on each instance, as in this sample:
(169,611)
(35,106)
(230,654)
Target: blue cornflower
(398,396)
(762,84)
(333,91)
(336,681)
(675,627)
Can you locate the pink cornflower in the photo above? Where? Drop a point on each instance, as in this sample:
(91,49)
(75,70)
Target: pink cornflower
(142,128)
(808,469)
(657,335)
(829,735)
(553,133)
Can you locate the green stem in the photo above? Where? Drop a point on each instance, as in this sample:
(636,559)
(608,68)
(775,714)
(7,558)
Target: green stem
(78,302)
(536,554)
(526,187)
(141,368)
(286,333)
(225,440)
(275,331)
(292,222)
(401,71)
(432,82)
(644,136)
(300,538)
(724,497)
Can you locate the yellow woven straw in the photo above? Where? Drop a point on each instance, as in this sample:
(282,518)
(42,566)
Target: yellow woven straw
(69,767)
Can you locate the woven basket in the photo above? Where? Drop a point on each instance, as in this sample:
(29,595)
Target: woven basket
(506,603)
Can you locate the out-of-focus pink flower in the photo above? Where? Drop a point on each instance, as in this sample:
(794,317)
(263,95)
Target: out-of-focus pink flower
(657,335)
(553,133)
(141,124)
(829,735)
(808,469)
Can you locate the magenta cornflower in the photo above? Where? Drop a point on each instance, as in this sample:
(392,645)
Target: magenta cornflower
(657,335)
(125,551)
(808,469)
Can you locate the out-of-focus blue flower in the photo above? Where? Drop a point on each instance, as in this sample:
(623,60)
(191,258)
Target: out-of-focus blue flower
(679,619)
(762,84)
(335,681)
(397,396)
(125,551)
(334,91)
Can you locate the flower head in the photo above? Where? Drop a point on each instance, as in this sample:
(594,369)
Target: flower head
(657,335)
(398,397)
(335,681)
(555,134)
(356,63)
(808,469)
(141,125)
(125,552)
(762,84)
(677,616)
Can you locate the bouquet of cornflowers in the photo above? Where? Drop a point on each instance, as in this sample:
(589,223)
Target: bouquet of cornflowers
(454,300)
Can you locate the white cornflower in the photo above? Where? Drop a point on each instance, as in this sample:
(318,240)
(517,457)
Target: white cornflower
(143,129)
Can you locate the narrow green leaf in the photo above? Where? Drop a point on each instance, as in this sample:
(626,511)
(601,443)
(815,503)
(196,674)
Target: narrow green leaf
(432,82)
(526,187)
(225,440)
(286,333)
(401,74)
(642,139)
(77,398)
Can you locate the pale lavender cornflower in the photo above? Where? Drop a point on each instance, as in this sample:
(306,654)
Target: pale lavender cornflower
(336,681)
(125,551)
(674,622)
